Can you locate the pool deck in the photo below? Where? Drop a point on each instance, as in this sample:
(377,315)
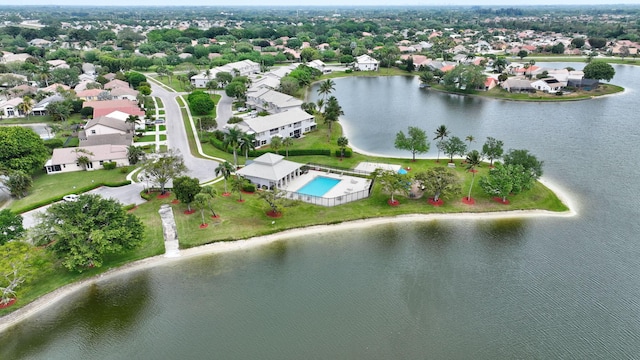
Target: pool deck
(370,167)
(347,185)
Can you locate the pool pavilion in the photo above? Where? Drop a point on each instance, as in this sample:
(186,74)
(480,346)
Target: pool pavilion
(271,170)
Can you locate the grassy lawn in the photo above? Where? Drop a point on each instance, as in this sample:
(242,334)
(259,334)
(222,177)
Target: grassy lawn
(49,187)
(159,102)
(145,138)
(499,93)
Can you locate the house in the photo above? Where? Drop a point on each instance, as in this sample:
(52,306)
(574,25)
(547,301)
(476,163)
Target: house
(106,107)
(106,125)
(272,101)
(66,159)
(584,84)
(92,94)
(115,83)
(271,170)
(318,65)
(58,64)
(548,85)
(40,108)
(290,123)
(517,85)
(239,68)
(40,43)
(9,108)
(124,93)
(489,84)
(365,63)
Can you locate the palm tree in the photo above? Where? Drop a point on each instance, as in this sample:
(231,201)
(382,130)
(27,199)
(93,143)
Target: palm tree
(225,169)
(470,139)
(332,112)
(326,88)
(287,143)
(232,138)
(133,120)
(276,143)
(247,143)
(474,159)
(83,160)
(201,200)
(135,154)
(211,192)
(441,133)
(342,143)
(26,106)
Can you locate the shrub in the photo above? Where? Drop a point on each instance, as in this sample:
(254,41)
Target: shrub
(248,188)
(110,165)
(53,143)
(124,169)
(234,120)
(348,71)
(347,153)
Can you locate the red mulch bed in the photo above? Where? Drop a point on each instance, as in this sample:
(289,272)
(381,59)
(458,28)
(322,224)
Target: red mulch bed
(499,200)
(440,202)
(175,201)
(473,170)
(204,226)
(393,203)
(132,209)
(215,217)
(273,214)
(164,196)
(248,192)
(189,212)
(468,201)
(226,194)
(11,302)
(240,200)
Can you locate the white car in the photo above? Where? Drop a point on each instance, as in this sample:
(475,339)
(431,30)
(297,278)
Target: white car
(71,197)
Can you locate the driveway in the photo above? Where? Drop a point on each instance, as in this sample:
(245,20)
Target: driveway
(202,169)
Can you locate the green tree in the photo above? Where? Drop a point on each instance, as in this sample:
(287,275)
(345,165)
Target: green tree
(247,143)
(20,263)
(578,42)
(135,154)
(439,181)
(211,193)
(597,42)
(232,138)
(81,233)
(499,64)
(426,77)
(26,106)
(342,142)
(225,169)
(528,161)
(599,70)
(10,226)
(498,183)
(441,133)
(21,149)
(287,143)
(59,110)
(275,144)
(453,146)
(186,188)
(392,182)
(474,159)
(325,89)
(224,78)
(492,149)
(168,166)
(470,139)
(415,141)
(17,182)
(201,201)
(523,54)
(332,112)
(276,200)
(237,184)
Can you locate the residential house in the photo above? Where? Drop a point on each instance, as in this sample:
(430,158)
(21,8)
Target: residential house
(106,125)
(318,65)
(271,170)
(548,85)
(40,108)
(272,101)
(92,94)
(106,107)
(290,123)
(365,63)
(239,68)
(583,84)
(124,93)
(517,85)
(115,83)
(489,84)
(58,64)
(66,159)
(9,108)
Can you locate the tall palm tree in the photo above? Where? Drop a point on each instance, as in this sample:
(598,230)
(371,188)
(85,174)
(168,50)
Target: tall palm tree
(474,159)
(343,142)
(26,105)
(470,139)
(85,159)
(287,143)
(133,120)
(326,88)
(225,169)
(211,192)
(232,138)
(441,133)
(247,143)
(332,112)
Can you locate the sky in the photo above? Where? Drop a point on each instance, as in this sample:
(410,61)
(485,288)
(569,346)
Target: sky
(299,3)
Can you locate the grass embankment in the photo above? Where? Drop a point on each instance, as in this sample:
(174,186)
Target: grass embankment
(538,96)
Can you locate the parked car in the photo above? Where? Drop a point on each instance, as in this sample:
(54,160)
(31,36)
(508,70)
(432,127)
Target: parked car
(160,121)
(71,197)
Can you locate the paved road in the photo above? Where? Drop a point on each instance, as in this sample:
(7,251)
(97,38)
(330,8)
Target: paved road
(224,110)
(202,169)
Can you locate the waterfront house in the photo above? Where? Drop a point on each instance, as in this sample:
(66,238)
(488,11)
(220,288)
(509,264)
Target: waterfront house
(365,63)
(66,159)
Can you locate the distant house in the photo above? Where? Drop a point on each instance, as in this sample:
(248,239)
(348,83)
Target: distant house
(40,108)
(106,125)
(106,107)
(365,63)
(239,68)
(91,94)
(517,85)
(9,108)
(115,83)
(291,123)
(66,159)
(489,84)
(318,65)
(584,84)
(548,85)
(272,101)
(124,93)
(271,170)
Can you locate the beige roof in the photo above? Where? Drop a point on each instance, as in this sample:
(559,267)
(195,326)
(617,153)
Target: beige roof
(269,166)
(110,104)
(95,153)
(115,83)
(108,122)
(106,139)
(123,91)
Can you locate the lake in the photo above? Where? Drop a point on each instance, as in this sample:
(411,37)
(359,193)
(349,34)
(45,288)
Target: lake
(445,289)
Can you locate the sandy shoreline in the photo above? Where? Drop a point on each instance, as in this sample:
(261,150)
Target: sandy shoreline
(58,295)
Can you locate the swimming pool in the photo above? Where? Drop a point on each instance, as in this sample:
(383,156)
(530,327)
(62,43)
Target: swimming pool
(318,186)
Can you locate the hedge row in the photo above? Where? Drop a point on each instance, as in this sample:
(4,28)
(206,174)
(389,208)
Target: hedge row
(81,190)
(347,153)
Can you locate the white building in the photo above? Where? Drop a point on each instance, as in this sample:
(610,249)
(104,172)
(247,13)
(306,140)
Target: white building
(549,85)
(265,99)
(239,68)
(291,123)
(365,63)
(271,170)
(66,159)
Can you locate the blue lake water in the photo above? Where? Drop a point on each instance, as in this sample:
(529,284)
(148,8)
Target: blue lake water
(529,288)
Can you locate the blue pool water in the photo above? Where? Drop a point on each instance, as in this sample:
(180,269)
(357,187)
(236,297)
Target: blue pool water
(318,186)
